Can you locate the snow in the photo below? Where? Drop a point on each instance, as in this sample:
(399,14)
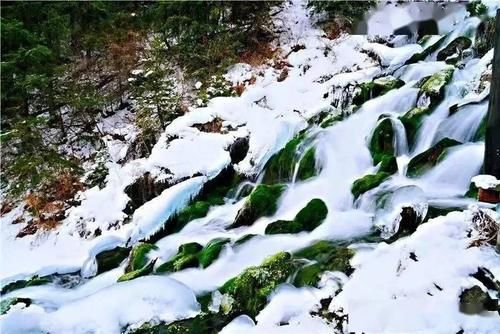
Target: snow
(389,292)
(484,181)
(104,311)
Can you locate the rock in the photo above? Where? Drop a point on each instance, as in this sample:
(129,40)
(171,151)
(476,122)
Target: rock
(388,164)
(474,301)
(249,291)
(367,182)
(111,259)
(456,46)
(280,167)
(283,75)
(6,304)
(375,88)
(148,269)
(307,165)
(485,36)
(261,202)
(239,149)
(310,217)
(20,284)
(433,86)
(382,140)
(409,220)
(211,251)
(186,257)
(428,159)
(204,322)
(412,120)
(144,189)
(325,256)
(427,50)
(139,258)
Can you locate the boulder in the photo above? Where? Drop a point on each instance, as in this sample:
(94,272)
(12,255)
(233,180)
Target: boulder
(261,202)
(310,217)
(186,257)
(428,159)
(239,149)
(367,182)
(110,259)
(280,167)
(433,86)
(382,140)
(474,301)
(375,88)
(458,45)
(412,120)
(307,165)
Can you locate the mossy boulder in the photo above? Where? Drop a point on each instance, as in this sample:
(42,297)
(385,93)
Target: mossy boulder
(7,303)
(307,165)
(429,158)
(454,47)
(111,259)
(375,88)
(261,202)
(322,256)
(433,86)
(138,258)
(248,292)
(330,120)
(20,284)
(412,120)
(435,211)
(203,323)
(186,257)
(146,270)
(474,300)
(382,140)
(211,251)
(388,164)
(367,182)
(280,167)
(427,49)
(310,217)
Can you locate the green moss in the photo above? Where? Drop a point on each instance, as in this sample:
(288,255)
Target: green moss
(427,50)
(367,182)
(375,88)
(456,46)
(20,284)
(472,192)
(388,164)
(6,304)
(280,167)
(434,211)
(434,85)
(476,8)
(244,239)
(249,290)
(203,323)
(198,209)
(412,121)
(146,270)
(382,140)
(307,165)
(111,259)
(186,257)
(428,159)
(211,251)
(326,256)
(481,131)
(310,217)
(138,258)
(261,202)
(330,120)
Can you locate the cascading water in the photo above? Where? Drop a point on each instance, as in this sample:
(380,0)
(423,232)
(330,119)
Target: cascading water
(342,155)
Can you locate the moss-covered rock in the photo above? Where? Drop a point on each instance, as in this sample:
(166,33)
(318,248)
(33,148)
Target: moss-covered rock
(477,8)
(186,257)
(111,259)
(456,46)
(248,292)
(330,120)
(261,202)
(146,270)
(138,258)
(20,284)
(203,323)
(435,211)
(474,300)
(388,164)
(382,140)
(211,251)
(428,159)
(367,182)
(280,167)
(433,86)
(412,120)
(307,165)
(310,217)
(325,256)
(7,303)
(375,88)
(427,50)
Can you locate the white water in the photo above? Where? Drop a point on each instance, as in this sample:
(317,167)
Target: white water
(342,153)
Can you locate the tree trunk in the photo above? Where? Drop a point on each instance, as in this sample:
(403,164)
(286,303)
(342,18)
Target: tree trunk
(492,139)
